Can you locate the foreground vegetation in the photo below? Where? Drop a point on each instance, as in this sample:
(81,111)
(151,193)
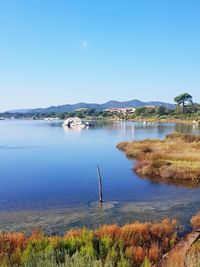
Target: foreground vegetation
(132,245)
(176,157)
(137,244)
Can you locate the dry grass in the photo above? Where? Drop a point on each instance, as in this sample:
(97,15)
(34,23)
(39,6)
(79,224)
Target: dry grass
(193,256)
(175,260)
(175,157)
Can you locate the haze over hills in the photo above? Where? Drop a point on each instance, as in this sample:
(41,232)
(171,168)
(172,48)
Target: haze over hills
(110,104)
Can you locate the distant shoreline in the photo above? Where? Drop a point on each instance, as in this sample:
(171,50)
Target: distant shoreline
(164,120)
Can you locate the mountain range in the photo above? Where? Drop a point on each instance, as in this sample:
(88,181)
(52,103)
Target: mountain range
(110,104)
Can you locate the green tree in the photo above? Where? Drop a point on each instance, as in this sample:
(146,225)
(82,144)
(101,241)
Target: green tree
(79,114)
(160,110)
(140,111)
(182,99)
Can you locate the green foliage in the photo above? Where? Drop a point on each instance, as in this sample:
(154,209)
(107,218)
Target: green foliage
(146,263)
(35,249)
(76,260)
(74,244)
(161,110)
(124,263)
(105,244)
(182,99)
(81,113)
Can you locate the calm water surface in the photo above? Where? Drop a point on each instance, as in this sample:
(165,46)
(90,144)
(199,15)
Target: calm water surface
(48,177)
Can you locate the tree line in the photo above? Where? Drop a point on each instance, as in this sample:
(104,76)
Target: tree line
(184,108)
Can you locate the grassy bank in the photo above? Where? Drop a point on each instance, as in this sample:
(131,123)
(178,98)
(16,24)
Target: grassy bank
(176,157)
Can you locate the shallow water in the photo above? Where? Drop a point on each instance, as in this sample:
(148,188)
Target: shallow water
(48,177)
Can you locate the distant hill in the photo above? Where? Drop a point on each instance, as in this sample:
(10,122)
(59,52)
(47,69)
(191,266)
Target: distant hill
(110,104)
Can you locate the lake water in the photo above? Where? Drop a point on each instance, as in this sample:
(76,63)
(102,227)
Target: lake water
(48,177)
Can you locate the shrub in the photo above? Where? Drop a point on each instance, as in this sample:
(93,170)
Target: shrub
(109,245)
(195,221)
(112,231)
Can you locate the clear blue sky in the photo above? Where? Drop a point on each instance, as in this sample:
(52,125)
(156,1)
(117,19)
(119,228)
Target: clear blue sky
(64,51)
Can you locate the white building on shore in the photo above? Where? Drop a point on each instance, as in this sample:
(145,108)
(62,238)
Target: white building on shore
(124,111)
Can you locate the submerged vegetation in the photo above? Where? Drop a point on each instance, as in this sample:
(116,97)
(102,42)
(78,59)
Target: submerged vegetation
(176,157)
(137,244)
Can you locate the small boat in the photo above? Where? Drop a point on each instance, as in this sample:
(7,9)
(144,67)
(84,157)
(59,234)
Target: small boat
(51,119)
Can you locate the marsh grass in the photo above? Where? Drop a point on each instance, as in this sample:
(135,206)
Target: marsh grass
(176,157)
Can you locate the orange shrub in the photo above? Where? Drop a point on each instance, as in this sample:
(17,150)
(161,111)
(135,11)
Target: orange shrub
(153,254)
(36,233)
(135,234)
(112,231)
(10,242)
(74,233)
(195,221)
(139,253)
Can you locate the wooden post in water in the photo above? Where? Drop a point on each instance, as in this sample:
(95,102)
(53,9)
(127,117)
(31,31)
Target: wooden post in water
(100,185)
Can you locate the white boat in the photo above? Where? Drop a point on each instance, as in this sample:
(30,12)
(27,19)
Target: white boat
(75,123)
(51,119)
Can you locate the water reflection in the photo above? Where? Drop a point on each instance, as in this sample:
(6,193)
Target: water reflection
(187,128)
(172,182)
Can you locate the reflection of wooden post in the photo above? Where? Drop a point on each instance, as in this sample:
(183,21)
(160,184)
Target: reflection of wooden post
(100,184)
